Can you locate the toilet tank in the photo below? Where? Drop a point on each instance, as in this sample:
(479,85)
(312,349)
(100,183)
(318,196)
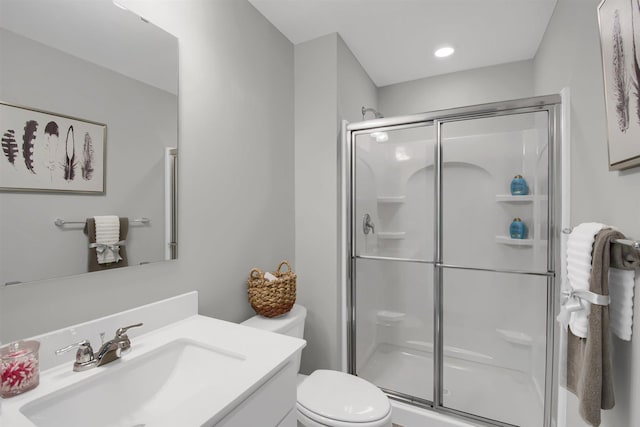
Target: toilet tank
(291,324)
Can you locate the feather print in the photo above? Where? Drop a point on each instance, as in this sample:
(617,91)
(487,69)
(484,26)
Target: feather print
(9,146)
(87,157)
(30,129)
(636,65)
(620,78)
(52,134)
(70,162)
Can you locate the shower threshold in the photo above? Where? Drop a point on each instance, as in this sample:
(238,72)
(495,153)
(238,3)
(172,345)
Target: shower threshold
(478,388)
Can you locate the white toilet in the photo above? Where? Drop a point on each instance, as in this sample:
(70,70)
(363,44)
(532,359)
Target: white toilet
(329,398)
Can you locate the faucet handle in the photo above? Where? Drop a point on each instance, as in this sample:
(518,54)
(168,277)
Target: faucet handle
(84,356)
(120,333)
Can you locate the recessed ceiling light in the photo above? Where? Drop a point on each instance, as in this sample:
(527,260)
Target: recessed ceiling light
(443,52)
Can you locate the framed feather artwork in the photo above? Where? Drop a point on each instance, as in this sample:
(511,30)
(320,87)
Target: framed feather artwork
(49,152)
(619,22)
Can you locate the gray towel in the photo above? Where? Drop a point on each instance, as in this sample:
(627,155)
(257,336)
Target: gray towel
(589,374)
(90,231)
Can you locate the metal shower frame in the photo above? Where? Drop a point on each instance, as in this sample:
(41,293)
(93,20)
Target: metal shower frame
(552,105)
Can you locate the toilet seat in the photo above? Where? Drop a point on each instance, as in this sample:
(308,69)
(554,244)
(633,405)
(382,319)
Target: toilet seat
(332,398)
(310,419)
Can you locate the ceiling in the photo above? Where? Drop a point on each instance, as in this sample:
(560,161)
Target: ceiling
(394,40)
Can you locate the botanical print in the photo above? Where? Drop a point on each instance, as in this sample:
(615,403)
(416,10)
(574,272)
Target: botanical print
(636,67)
(27,146)
(50,163)
(52,140)
(70,159)
(9,146)
(621,68)
(87,157)
(620,77)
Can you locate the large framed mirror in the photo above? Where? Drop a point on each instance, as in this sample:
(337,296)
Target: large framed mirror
(93,61)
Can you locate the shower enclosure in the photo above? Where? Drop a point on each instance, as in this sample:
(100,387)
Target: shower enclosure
(445,309)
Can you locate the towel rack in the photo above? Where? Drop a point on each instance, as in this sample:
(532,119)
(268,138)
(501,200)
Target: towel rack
(60,222)
(635,244)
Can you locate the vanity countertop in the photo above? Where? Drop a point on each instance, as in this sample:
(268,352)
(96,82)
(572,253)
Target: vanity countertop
(262,354)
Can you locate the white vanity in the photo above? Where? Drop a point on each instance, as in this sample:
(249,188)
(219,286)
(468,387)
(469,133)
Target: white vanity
(183,369)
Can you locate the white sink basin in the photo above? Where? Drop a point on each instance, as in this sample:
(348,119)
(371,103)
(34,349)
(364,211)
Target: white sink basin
(159,386)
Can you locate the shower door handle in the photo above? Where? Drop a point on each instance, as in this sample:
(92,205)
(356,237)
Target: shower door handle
(367,225)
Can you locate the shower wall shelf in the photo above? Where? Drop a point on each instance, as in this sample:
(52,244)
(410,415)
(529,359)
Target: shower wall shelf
(392,199)
(514,199)
(506,240)
(508,198)
(531,200)
(392,235)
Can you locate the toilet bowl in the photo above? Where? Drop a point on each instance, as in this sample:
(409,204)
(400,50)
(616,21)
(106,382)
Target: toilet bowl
(329,398)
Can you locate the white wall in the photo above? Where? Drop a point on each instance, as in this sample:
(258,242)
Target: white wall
(330,85)
(478,86)
(570,56)
(141,120)
(236,176)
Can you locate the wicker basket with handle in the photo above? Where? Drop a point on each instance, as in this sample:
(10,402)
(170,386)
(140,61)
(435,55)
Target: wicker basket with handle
(272,298)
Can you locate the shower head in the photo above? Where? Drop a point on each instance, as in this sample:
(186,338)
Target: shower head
(371,110)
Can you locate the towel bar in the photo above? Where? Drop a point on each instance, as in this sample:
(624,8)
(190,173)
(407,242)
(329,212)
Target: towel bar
(60,222)
(635,244)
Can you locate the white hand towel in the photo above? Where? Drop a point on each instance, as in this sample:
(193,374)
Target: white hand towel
(579,249)
(621,283)
(107,233)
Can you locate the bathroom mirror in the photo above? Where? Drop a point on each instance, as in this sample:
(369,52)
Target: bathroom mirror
(86,61)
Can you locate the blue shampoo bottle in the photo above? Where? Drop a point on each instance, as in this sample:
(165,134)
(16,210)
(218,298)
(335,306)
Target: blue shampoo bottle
(519,186)
(517,230)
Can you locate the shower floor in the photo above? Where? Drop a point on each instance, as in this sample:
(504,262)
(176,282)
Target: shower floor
(489,391)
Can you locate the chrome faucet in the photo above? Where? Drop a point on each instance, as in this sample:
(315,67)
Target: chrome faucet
(109,351)
(112,349)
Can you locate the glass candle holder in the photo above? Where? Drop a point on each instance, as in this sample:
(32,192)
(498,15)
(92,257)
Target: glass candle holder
(19,368)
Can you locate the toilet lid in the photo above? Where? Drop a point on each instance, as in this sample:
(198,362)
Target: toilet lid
(343,397)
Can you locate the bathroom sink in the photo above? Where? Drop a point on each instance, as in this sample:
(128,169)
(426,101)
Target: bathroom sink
(164,386)
(183,369)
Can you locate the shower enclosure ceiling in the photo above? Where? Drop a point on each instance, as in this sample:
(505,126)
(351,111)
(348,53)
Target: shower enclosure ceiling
(446,309)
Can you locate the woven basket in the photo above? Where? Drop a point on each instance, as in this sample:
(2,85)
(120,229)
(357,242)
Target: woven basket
(272,298)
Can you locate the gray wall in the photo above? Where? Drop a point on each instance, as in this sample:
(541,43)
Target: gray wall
(141,121)
(478,86)
(316,209)
(330,85)
(570,56)
(236,176)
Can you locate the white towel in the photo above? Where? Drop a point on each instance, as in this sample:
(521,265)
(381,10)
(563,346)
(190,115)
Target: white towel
(107,233)
(621,283)
(579,249)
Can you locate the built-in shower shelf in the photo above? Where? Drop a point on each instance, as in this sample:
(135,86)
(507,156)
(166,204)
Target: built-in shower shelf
(509,198)
(392,199)
(387,316)
(515,337)
(506,240)
(392,235)
(514,199)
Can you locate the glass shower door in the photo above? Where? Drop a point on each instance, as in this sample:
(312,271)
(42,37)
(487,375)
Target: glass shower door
(495,284)
(392,258)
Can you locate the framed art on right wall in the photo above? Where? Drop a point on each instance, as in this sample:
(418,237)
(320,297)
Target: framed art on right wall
(619,22)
